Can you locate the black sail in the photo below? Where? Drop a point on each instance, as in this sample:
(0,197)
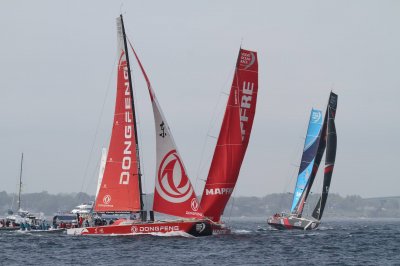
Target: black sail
(330,140)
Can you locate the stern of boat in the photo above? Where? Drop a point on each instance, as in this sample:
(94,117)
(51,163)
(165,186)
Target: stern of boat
(201,228)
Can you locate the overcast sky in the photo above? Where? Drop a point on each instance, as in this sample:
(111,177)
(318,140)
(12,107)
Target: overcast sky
(57,84)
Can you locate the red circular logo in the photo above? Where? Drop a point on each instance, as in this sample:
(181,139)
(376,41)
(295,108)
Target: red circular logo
(107,199)
(172,182)
(134,229)
(194,204)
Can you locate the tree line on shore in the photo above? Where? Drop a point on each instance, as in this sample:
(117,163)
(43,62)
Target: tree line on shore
(337,206)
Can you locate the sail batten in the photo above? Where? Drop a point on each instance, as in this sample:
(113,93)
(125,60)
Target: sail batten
(233,137)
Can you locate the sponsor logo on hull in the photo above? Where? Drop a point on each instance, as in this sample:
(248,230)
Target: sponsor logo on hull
(200,227)
(157,228)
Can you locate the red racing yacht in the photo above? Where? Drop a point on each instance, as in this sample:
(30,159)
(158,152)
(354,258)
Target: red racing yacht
(232,141)
(120,191)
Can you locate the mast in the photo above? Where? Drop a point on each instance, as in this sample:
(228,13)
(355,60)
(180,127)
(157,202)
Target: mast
(20,183)
(133,112)
(331,144)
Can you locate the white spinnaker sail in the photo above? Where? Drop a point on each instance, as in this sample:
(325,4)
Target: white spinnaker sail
(101,169)
(174,193)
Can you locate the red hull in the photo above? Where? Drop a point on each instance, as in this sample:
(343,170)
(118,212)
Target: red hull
(171,228)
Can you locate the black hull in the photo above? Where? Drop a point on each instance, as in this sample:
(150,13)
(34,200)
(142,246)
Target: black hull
(292,222)
(201,229)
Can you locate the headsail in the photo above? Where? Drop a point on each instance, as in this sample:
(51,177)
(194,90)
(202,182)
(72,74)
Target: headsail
(307,161)
(331,143)
(120,188)
(174,193)
(233,137)
(103,161)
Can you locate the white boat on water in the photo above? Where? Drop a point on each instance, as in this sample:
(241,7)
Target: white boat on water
(23,220)
(84,208)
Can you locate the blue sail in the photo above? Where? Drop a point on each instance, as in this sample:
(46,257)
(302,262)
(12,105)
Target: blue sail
(308,157)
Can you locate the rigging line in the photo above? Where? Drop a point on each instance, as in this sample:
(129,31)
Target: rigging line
(296,152)
(93,175)
(14,194)
(292,169)
(138,124)
(97,126)
(291,173)
(140,139)
(212,124)
(232,204)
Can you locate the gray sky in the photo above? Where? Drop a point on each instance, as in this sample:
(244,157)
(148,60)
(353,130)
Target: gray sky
(57,69)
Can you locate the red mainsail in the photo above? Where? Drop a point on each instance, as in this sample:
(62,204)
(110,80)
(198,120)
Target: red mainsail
(233,137)
(173,193)
(119,190)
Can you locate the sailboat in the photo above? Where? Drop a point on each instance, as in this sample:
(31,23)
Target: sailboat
(22,219)
(321,135)
(13,221)
(232,141)
(121,186)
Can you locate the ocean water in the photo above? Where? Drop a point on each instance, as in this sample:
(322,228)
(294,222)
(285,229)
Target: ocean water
(336,242)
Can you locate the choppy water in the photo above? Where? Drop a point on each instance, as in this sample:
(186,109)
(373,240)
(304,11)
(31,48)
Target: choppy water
(336,242)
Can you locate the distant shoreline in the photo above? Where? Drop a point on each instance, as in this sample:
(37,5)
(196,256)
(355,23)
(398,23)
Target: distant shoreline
(337,206)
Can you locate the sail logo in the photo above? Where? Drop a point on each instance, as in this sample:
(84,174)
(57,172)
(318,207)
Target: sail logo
(128,132)
(333,100)
(316,116)
(245,105)
(163,134)
(247,59)
(106,199)
(194,204)
(219,191)
(172,183)
(200,227)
